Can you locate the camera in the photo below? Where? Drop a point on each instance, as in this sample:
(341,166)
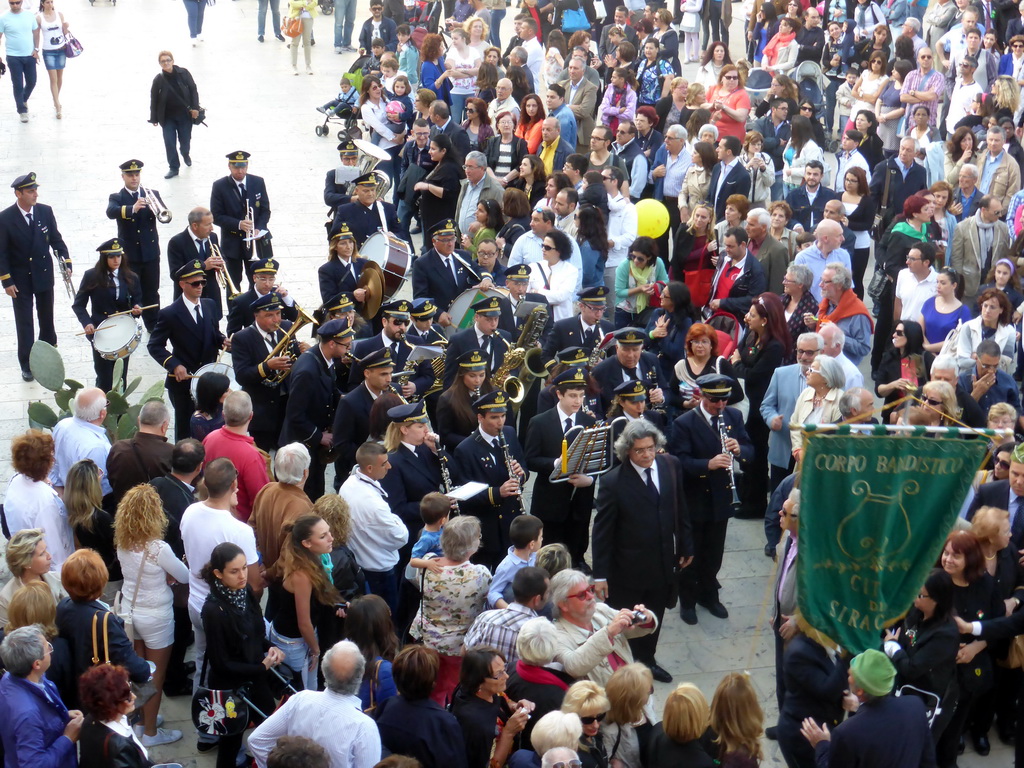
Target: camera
(340,606)
(639,617)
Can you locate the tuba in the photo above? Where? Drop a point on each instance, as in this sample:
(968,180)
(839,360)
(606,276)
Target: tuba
(285,347)
(370,157)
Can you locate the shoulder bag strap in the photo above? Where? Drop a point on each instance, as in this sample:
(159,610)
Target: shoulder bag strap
(138,581)
(106,639)
(95,647)
(95,639)
(888,180)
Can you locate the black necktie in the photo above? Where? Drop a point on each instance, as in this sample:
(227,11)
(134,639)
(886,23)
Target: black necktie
(204,250)
(241,191)
(1017,529)
(714,423)
(650,483)
(135,197)
(634,374)
(485,347)
(199,317)
(589,338)
(113,286)
(394,351)
(29,215)
(568,424)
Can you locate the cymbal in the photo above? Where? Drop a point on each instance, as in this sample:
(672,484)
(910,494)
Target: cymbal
(372,279)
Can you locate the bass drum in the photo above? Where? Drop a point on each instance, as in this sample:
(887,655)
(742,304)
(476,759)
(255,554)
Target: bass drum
(117,337)
(460,312)
(224,368)
(394,258)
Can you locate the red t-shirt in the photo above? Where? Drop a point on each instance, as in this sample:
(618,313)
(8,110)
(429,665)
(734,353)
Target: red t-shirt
(250,463)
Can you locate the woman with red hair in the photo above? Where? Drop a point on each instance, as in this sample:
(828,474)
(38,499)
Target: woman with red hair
(107,738)
(701,356)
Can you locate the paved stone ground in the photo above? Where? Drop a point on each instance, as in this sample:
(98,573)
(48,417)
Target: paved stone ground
(254,103)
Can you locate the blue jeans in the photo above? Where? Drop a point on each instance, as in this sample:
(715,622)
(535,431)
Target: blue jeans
(23,79)
(497,14)
(458,104)
(296,657)
(179,128)
(195,11)
(777,191)
(344,21)
(384,584)
(261,16)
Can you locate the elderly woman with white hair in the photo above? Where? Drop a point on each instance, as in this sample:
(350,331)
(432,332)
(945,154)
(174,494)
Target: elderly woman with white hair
(281,502)
(553,730)
(819,402)
(797,301)
(536,676)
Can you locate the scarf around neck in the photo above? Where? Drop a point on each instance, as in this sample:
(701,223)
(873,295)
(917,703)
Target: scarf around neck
(641,277)
(234,597)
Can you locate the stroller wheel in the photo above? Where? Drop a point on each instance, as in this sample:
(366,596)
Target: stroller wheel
(319,130)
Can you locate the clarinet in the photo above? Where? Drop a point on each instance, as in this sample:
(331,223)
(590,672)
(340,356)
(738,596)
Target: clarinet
(446,479)
(511,473)
(723,434)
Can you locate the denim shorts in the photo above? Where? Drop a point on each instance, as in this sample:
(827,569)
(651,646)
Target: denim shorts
(55,59)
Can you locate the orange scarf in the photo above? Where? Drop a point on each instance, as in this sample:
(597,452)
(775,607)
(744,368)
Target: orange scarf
(771,51)
(849,306)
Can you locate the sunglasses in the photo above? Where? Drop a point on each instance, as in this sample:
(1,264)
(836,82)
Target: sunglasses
(197,283)
(547,247)
(898,333)
(591,719)
(1002,464)
(583,594)
(933,401)
(717,399)
(730,77)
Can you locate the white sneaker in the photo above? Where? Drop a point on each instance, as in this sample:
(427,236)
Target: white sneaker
(162,737)
(24,117)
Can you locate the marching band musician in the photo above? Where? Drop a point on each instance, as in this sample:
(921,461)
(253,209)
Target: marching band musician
(455,417)
(136,231)
(442,272)
(395,321)
(423,329)
(564,507)
(481,459)
(312,397)
(571,357)
(190,325)
(485,336)
(585,330)
(255,369)
(230,199)
(343,267)
(339,183)
(27,232)
(340,307)
(352,416)
(517,280)
(264,282)
(198,241)
(110,286)
(367,213)
(630,363)
(630,403)
(707,476)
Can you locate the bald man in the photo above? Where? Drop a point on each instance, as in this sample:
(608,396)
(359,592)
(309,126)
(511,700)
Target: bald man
(828,237)
(504,101)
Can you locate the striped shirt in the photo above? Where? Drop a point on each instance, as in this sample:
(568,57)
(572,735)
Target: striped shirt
(499,629)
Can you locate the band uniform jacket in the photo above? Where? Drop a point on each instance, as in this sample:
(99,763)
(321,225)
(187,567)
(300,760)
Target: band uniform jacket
(466,340)
(313,395)
(180,249)
(424,373)
(433,336)
(694,443)
(569,333)
(430,280)
(609,374)
(554,501)
(240,314)
(334,277)
(513,324)
(482,463)
(365,221)
(101,295)
(136,230)
(249,350)
(336,194)
(228,210)
(639,536)
(25,260)
(194,344)
(411,477)
(351,428)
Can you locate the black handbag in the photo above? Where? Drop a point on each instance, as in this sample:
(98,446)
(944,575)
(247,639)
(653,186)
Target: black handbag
(877,285)
(200,119)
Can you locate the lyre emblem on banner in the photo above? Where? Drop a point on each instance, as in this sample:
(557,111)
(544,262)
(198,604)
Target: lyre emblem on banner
(866,533)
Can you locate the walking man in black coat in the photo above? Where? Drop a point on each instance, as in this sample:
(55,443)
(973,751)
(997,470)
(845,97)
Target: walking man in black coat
(641,532)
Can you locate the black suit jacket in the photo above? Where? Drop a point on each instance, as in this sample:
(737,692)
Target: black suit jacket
(609,374)
(313,395)
(335,194)
(25,260)
(466,340)
(995,494)
(514,325)
(814,684)
(194,344)
(228,210)
(807,214)
(240,314)
(365,221)
(639,536)
(94,290)
(458,135)
(136,230)
(430,280)
(180,249)
(736,183)
(477,462)
(248,351)
(694,443)
(424,373)
(334,278)
(410,478)
(176,498)
(351,427)
(899,189)
(569,333)
(554,502)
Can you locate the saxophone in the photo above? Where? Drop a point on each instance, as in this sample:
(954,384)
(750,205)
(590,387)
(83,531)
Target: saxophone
(286,347)
(511,472)
(525,355)
(598,353)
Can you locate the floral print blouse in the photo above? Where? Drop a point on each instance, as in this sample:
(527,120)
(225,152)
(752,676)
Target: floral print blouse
(451,601)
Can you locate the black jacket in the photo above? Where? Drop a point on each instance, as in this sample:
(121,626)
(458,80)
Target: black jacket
(228,210)
(814,683)
(182,248)
(100,747)
(95,290)
(248,352)
(194,345)
(421,729)
(136,230)
(165,98)
(929,661)
(313,395)
(493,151)
(554,501)
(25,260)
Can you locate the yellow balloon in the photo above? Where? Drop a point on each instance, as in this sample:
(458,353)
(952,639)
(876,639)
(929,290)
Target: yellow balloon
(651,218)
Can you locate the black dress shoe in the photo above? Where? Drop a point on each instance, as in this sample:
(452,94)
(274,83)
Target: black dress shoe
(170,174)
(659,673)
(279,36)
(981,744)
(1006,735)
(772,732)
(187,159)
(688,614)
(769,551)
(716,609)
(27,376)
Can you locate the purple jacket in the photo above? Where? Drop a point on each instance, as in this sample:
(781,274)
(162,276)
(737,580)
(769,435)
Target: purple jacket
(32,727)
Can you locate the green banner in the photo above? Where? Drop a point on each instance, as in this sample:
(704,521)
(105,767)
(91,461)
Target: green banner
(874,514)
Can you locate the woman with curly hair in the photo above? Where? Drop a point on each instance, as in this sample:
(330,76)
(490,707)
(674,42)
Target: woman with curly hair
(701,357)
(477,123)
(531,118)
(92,525)
(30,501)
(346,575)
(107,738)
(961,149)
(432,68)
(148,563)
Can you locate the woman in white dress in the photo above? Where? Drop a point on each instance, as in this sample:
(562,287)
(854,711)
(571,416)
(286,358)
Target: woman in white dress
(553,276)
(30,501)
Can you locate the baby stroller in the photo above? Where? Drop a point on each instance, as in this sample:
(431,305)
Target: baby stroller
(759,82)
(811,83)
(347,118)
(425,20)
(326,7)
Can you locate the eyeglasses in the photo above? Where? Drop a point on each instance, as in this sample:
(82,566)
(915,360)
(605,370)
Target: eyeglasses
(501,675)
(568,764)
(806,109)
(197,283)
(643,451)
(933,401)
(591,719)
(49,646)
(987,366)
(807,352)
(899,333)
(582,595)
(790,515)
(470,111)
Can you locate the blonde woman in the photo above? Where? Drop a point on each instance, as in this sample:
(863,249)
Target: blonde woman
(92,526)
(628,691)
(346,575)
(676,739)
(305,11)
(33,604)
(588,700)
(148,563)
(478,32)
(29,560)
(737,718)
(942,392)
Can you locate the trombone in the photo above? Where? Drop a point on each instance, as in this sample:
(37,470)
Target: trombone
(230,289)
(163,215)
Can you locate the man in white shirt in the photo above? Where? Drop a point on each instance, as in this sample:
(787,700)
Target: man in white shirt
(332,718)
(835,340)
(82,437)
(849,157)
(504,102)
(622,227)
(377,532)
(916,283)
(963,93)
(206,524)
(534,50)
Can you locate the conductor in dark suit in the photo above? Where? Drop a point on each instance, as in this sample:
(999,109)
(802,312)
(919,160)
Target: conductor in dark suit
(697,443)
(108,287)
(641,532)
(366,214)
(480,459)
(230,199)
(312,398)
(198,241)
(352,416)
(191,328)
(28,230)
(587,329)
(736,179)
(256,370)
(485,335)
(564,507)
(630,363)
(264,282)
(439,275)
(136,231)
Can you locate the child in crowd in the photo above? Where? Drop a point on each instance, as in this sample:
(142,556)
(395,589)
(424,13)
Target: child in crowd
(389,71)
(527,536)
(346,103)
(434,510)
(408,56)
(372,65)
(844,97)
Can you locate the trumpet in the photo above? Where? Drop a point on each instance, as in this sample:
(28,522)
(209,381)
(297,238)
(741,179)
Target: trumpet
(65,274)
(222,274)
(251,218)
(163,215)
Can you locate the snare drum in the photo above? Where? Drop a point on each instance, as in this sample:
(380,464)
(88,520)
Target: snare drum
(460,312)
(224,368)
(117,337)
(392,256)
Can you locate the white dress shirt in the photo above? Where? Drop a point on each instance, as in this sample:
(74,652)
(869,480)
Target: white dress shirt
(31,504)
(559,288)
